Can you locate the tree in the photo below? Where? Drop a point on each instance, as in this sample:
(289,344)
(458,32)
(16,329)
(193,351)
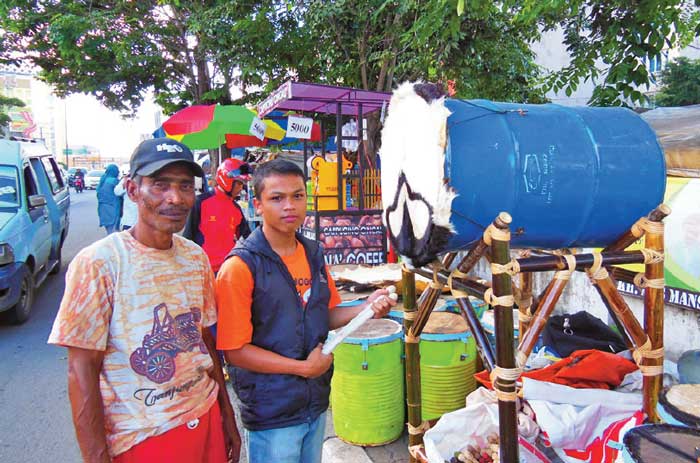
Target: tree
(680,83)
(5,104)
(609,40)
(186,52)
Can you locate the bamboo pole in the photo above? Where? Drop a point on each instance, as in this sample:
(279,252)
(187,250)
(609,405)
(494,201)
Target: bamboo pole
(430,296)
(413,392)
(630,236)
(524,300)
(545,307)
(610,295)
(583,261)
(654,321)
(483,346)
(505,358)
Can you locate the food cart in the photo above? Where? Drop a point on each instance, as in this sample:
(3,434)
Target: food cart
(344,209)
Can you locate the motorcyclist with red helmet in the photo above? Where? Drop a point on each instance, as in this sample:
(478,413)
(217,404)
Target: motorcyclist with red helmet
(216,221)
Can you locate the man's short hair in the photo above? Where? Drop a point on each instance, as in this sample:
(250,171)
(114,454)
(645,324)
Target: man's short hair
(274,167)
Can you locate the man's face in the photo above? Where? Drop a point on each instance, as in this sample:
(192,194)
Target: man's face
(164,199)
(236,189)
(282,203)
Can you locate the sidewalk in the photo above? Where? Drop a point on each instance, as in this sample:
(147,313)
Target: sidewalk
(337,451)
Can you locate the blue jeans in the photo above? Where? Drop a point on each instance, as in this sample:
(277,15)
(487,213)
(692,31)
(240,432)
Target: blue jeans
(302,443)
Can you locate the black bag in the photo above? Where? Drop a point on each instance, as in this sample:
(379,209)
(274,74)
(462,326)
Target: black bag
(571,332)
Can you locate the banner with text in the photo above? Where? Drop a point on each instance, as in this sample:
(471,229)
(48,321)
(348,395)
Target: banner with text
(682,243)
(349,239)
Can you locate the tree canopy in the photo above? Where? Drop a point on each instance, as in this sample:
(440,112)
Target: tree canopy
(190,52)
(680,83)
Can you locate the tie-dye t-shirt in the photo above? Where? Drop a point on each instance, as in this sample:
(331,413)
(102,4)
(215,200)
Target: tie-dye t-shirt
(145,309)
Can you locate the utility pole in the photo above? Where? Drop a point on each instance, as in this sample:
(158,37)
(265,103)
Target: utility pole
(65,131)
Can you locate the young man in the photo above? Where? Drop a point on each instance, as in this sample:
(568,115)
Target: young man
(142,382)
(275,299)
(217,221)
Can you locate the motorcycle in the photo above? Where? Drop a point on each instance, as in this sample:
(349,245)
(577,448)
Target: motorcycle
(78,184)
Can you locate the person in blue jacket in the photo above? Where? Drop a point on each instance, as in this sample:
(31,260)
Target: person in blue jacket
(109,205)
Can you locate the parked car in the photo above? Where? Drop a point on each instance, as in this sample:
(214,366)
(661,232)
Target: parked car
(92,179)
(34,222)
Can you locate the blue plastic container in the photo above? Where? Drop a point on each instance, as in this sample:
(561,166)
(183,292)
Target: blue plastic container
(568,176)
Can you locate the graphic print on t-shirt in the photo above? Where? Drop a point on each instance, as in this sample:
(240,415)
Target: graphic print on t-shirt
(155,359)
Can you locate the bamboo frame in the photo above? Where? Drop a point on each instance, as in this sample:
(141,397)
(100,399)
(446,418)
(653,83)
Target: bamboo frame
(413,392)
(647,341)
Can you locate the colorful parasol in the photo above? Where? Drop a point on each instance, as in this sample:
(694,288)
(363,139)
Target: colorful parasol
(206,126)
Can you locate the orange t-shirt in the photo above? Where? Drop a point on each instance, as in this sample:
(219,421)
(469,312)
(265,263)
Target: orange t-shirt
(234,296)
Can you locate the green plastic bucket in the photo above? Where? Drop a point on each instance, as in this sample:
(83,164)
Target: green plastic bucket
(367,389)
(447,364)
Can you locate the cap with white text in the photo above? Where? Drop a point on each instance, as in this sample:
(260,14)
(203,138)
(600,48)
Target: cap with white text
(154,154)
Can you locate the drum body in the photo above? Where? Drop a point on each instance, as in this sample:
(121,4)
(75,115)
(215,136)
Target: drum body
(569,176)
(657,443)
(367,389)
(447,364)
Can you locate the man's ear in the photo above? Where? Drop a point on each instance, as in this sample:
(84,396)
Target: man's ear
(257,205)
(132,189)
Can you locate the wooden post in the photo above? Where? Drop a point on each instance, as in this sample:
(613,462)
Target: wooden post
(654,320)
(524,302)
(413,398)
(545,307)
(505,357)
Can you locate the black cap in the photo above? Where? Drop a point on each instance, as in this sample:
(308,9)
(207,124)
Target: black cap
(154,154)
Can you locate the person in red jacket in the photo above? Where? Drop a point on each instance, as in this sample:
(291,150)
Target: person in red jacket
(217,221)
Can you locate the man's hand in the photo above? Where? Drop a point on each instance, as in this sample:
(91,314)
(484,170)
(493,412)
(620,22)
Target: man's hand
(231,436)
(381,302)
(317,363)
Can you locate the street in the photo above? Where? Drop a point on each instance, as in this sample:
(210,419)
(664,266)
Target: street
(35,420)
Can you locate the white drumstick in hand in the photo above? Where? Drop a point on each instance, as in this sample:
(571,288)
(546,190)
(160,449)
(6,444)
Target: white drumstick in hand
(355,323)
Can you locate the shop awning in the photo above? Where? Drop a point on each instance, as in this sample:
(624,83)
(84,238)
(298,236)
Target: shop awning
(318,98)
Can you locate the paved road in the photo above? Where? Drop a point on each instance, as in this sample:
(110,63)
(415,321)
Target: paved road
(35,423)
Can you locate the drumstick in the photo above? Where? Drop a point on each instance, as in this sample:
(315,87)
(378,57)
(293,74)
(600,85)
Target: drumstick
(359,320)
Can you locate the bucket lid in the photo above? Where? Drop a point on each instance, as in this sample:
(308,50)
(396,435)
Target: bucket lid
(662,443)
(682,402)
(375,331)
(445,323)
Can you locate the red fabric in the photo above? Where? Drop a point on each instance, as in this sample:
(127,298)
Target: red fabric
(203,444)
(243,141)
(584,369)
(189,120)
(219,223)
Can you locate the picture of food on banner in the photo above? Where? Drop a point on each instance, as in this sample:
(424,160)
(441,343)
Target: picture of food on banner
(349,239)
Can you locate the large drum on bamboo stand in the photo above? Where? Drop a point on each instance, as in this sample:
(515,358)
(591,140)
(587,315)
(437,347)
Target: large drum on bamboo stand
(447,364)
(367,389)
(568,176)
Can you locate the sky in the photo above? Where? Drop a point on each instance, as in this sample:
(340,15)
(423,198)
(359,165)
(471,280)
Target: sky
(90,123)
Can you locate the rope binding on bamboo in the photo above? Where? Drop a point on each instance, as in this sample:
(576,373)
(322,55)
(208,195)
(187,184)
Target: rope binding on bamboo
(411,338)
(495,233)
(435,284)
(596,271)
(646,352)
(503,301)
(420,429)
(652,256)
(512,268)
(456,292)
(410,315)
(642,281)
(520,359)
(645,225)
(505,374)
(571,264)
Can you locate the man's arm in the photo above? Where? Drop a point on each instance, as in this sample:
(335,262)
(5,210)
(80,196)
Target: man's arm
(233,438)
(86,403)
(261,360)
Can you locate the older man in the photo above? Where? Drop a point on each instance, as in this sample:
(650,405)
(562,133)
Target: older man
(142,382)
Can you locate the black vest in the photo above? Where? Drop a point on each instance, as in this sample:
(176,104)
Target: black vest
(282,325)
